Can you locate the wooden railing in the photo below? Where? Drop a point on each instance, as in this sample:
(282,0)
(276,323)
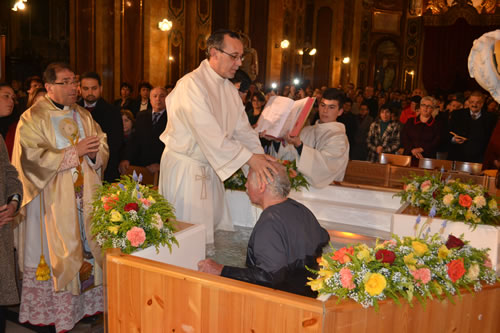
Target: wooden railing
(148,296)
(386,175)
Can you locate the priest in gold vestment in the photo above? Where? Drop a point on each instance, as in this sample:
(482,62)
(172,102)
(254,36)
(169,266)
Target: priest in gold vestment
(60,153)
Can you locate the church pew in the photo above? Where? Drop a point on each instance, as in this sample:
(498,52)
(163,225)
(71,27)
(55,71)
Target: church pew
(148,296)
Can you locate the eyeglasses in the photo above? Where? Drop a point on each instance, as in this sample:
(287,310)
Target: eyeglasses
(67,83)
(235,57)
(426,106)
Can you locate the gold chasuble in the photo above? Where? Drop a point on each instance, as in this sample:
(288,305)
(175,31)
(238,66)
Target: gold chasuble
(48,164)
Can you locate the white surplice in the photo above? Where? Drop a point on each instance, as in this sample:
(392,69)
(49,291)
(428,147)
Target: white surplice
(207,139)
(324,156)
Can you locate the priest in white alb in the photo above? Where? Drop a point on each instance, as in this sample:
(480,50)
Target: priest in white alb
(321,150)
(208,138)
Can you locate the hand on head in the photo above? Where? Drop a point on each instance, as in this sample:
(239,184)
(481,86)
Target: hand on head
(261,164)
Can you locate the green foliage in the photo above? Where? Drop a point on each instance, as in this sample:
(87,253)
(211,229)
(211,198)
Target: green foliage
(408,268)
(451,200)
(119,207)
(298,181)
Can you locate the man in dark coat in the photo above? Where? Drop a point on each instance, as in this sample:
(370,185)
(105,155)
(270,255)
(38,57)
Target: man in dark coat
(286,238)
(472,130)
(144,147)
(107,116)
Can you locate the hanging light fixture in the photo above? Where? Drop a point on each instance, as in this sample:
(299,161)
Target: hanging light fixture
(19,5)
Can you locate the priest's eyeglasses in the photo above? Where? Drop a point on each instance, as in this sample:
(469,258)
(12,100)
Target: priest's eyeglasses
(235,57)
(67,83)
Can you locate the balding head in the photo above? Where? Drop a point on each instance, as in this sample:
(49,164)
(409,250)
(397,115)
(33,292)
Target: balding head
(277,189)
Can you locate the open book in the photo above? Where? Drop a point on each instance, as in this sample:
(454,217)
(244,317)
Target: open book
(282,115)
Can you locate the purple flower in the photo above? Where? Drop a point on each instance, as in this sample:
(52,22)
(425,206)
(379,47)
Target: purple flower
(419,218)
(121,186)
(134,176)
(432,213)
(444,224)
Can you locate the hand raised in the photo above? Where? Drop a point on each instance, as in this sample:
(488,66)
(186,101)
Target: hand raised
(88,146)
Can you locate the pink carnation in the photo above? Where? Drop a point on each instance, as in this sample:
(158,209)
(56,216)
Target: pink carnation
(421,275)
(346,278)
(145,202)
(136,236)
(425,186)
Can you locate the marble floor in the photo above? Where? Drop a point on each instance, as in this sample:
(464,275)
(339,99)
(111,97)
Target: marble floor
(229,248)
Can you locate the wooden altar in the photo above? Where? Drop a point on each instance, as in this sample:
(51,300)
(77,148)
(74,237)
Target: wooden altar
(148,296)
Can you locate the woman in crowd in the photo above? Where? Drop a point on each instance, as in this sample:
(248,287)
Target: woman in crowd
(128,124)
(124,101)
(39,93)
(258,101)
(11,191)
(421,134)
(383,136)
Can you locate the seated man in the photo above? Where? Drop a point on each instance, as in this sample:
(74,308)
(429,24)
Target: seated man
(321,150)
(286,238)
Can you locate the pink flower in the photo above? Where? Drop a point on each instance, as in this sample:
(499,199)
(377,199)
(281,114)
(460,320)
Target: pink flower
(136,236)
(487,262)
(145,202)
(426,186)
(390,242)
(421,275)
(346,278)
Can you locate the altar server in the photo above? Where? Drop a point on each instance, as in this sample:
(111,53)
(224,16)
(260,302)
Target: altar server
(321,150)
(208,137)
(60,153)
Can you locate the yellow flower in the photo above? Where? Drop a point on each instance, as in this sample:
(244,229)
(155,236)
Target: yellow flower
(479,201)
(410,261)
(150,198)
(469,215)
(115,216)
(364,255)
(114,229)
(325,273)
(375,283)
(439,290)
(447,199)
(443,252)
(322,262)
(447,189)
(410,188)
(493,204)
(419,248)
(316,284)
(473,272)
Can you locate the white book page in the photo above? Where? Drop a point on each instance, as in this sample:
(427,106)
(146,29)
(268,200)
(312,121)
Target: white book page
(274,116)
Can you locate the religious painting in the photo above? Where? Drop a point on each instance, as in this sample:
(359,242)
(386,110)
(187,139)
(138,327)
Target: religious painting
(386,65)
(388,22)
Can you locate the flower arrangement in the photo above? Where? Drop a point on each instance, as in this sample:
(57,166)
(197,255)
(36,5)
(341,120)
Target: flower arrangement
(131,216)
(403,268)
(298,181)
(451,199)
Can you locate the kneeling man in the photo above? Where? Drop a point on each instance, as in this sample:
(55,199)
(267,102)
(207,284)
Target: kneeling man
(286,238)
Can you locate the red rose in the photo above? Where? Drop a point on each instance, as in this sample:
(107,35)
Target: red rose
(465,200)
(454,242)
(456,270)
(131,206)
(386,256)
(292,173)
(286,162)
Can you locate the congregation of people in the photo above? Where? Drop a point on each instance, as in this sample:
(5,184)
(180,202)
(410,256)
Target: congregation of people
(63,138)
